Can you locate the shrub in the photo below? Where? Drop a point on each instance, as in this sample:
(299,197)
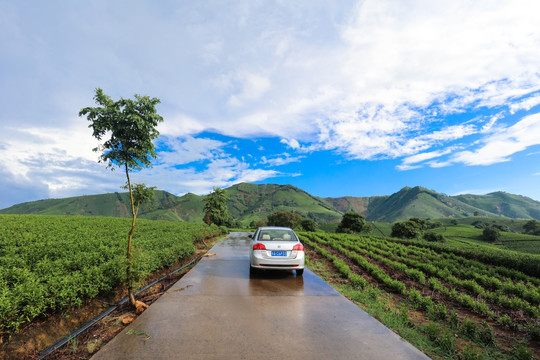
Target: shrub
(431,236)
(405,229)
(491,234)
(469,329)
(470,353)
(308,225)
(353,222)
(284,218)
(479,224)
(486,335)
(446,341)
(453,319)
(522,352)
(532,227)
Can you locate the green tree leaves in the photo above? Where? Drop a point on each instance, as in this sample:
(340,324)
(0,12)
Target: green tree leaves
(132,128)
(215,208)
(284,218)
(353,222)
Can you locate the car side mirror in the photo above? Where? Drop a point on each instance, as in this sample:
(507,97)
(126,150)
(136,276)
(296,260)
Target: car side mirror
(250,236)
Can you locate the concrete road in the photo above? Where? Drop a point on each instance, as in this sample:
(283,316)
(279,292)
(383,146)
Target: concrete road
(217,311)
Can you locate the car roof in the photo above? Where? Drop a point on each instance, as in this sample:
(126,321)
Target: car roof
(274,228)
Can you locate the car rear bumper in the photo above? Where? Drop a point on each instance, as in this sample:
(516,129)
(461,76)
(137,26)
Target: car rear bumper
(260,262)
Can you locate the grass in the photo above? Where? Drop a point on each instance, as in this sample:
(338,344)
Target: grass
(463,234)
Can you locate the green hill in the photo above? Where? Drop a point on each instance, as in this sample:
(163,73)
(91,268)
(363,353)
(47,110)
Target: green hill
(422,203)
(248,202)
(504,204)
(253,202)
(409,202)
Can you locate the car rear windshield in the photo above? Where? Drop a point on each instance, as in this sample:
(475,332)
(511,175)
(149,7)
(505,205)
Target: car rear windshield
(276,235)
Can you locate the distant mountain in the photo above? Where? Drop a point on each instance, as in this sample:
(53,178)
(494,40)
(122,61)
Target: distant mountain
(166,206)
(253,202)
(248,202)
(414,202)
(504,204)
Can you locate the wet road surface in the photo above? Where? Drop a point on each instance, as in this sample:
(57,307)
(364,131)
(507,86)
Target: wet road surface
(217,311)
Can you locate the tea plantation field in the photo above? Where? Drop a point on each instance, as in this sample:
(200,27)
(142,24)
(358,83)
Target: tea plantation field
(52,263)
(469,302)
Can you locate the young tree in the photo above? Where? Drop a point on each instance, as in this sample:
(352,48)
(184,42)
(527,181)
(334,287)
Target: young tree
(131,125)
(215,208)
(353,222)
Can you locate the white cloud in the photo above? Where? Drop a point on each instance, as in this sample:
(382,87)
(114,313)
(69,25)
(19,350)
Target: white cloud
(500,146)
(180,151)
(525,104)
(283,159)
(180,125)
(369,79)
(292,143)
(251,87)
(25,149)
(422,157)
(221,172)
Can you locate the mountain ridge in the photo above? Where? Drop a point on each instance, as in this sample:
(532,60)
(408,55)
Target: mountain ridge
(250,202)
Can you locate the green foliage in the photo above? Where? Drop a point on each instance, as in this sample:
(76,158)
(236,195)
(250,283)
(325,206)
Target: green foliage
(469,329)
(486,335)
(52,263)
(284,218)
(142,194)
(471,353)
(353,222)
(216,210)
(491,234)
(420,224)
(308,225)
(406,229)
(455,281)
(532,227)
(131,125)
(522,352)
(433,236)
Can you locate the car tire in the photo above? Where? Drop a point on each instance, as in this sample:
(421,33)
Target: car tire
(252,270)
(300,272)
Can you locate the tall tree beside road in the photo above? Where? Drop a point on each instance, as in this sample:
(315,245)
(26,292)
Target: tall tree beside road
(131,125)
(215,208)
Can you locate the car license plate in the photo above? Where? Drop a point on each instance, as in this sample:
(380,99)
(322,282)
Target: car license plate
(278,253)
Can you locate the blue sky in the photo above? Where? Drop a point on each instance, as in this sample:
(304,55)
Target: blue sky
(339,98)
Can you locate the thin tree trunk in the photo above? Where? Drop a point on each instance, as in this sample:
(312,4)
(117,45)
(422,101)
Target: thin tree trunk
(204,233)
(130,236)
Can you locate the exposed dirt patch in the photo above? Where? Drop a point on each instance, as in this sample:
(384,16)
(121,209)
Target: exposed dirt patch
(39,335)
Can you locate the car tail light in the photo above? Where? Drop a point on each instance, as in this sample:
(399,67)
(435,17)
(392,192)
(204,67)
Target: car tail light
(298,247)
(259,246)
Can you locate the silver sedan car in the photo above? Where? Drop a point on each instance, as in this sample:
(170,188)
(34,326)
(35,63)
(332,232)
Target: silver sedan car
(276,248)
